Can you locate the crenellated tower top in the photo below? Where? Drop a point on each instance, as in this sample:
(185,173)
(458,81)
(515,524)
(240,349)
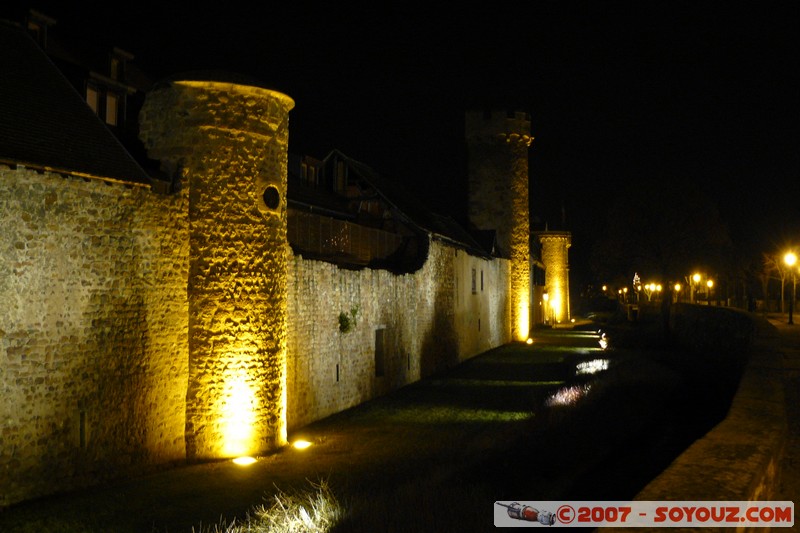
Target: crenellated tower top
(497,147)
(499,126)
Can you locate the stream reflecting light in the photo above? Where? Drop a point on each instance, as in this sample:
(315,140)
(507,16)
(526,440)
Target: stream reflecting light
(603,341)
(568,395)
(591,367)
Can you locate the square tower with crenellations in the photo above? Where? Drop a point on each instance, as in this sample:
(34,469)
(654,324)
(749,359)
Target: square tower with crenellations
(497,148)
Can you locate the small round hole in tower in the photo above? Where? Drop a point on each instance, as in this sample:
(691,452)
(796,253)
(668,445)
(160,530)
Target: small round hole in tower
(272,198)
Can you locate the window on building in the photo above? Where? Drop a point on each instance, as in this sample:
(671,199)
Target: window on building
(481,280)
(36,31)
(474,282)
(340,176)
(93,98)
(114,68)
(37,24)
(380,354)
(112,107)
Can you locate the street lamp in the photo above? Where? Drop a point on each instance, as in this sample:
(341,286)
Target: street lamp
(710,285)
(791,259)
(695,280)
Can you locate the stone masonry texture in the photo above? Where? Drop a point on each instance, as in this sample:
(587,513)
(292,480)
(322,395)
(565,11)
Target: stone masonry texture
(499,197)
(93,344)
(231,142)
(127,313)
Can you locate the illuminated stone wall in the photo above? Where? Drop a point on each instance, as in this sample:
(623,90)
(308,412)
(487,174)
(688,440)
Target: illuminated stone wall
(555,257)
(230,141)
(430,320)
(498,183)
(93,321)
(135,325)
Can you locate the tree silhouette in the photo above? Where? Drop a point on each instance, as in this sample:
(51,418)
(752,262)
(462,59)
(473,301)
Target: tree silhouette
(662,231)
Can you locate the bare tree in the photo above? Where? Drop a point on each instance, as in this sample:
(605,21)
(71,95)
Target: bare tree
(774,268)
(660,231)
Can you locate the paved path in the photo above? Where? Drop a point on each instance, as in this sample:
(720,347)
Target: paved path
(789,338)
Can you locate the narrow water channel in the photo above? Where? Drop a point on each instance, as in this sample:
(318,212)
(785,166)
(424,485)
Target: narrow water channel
(619,418)
(573,420)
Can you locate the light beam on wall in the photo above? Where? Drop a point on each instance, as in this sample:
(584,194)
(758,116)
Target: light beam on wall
(523,310)
(558,307)
(238,416)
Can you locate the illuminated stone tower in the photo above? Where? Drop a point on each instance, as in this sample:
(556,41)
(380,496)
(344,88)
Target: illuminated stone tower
(227,141)
(498,145)
(555,258)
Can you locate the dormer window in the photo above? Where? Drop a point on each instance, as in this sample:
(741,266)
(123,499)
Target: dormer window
(37,32)
(112,109)
(114,70)
(341,177)
(37,25)
(117,61)
(310,171)
(104,103)
(93,98)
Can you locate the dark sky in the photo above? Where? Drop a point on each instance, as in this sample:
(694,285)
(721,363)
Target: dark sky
(700,95)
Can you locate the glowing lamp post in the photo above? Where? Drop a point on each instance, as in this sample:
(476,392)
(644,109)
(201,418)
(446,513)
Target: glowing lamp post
(791,259)
(652,288)
(695,280)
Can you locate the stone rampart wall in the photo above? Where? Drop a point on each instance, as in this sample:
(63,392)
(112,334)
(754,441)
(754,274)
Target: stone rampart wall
(418,324)
(94,328)
(93,331)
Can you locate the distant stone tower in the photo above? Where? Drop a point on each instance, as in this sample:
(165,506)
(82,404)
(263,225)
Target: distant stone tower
(228,141)
(498,145)
(555,257)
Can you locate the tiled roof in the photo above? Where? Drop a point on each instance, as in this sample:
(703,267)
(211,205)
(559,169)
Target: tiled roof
(45,124)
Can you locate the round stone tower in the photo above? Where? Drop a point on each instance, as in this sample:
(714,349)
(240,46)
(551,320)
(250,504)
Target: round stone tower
(227,140)
(498,144)
(555,258)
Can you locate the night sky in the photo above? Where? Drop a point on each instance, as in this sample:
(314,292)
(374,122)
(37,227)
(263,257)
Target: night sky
(701,95)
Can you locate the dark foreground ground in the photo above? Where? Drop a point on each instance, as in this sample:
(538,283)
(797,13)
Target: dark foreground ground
(519,423)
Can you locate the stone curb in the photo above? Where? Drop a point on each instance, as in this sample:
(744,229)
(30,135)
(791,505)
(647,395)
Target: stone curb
(739,459)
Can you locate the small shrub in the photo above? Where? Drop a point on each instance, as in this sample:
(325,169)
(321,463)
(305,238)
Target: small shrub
(348,321)
(344,322)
